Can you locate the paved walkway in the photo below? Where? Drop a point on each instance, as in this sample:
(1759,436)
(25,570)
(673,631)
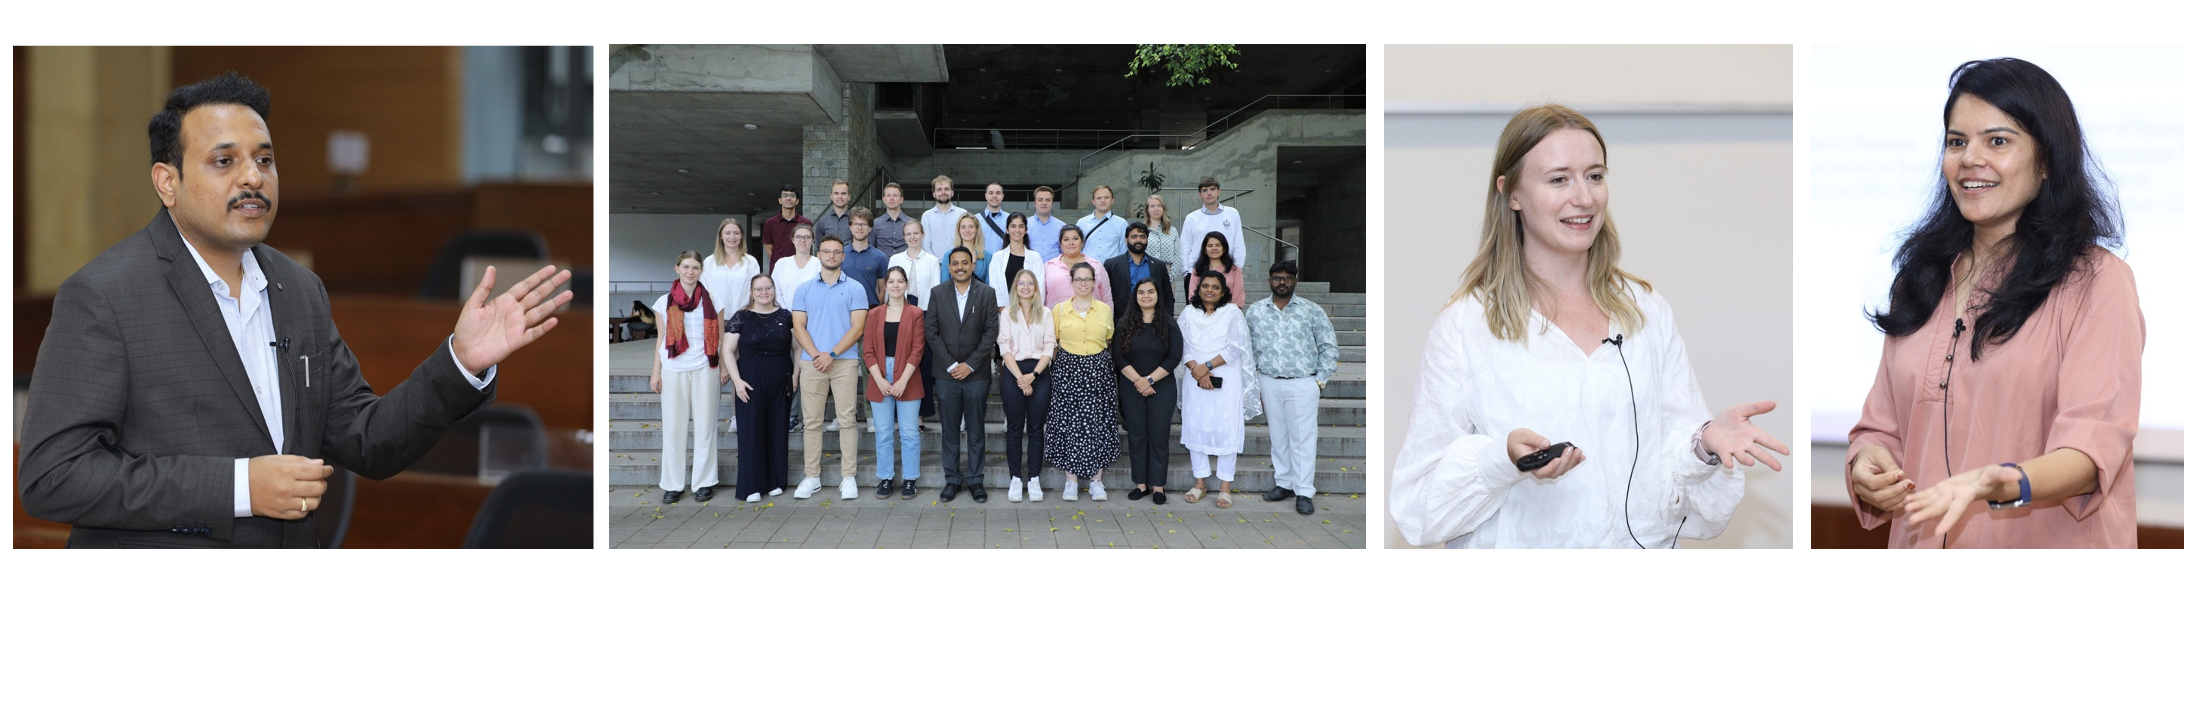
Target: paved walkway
(639,520)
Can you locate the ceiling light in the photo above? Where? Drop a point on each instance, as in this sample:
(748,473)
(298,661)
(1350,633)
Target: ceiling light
(683,171)
(750,127)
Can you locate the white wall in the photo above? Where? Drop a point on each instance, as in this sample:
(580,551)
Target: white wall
(643,247)
(1704,206)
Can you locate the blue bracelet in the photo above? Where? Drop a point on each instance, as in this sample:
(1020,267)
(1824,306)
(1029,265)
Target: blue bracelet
(2024,491)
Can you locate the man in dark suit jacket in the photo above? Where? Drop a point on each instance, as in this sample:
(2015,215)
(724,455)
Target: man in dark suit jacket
(1119,273)
(167,411)
(961,326)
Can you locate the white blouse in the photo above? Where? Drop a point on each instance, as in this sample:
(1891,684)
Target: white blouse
(1455,484)
(729,286)
(923,270)
(786,277)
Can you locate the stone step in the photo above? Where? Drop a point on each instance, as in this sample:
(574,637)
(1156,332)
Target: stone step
(1350,382)
(644,406)
(648,437)
(1254,475)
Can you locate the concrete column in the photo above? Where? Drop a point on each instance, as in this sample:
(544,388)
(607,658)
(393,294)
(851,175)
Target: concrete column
(89,166)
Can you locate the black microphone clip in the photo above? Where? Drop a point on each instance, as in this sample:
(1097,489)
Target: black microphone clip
(285,345)
(1616,339)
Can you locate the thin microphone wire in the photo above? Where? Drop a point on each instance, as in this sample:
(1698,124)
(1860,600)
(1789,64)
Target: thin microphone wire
(1627,501)
(1947,395)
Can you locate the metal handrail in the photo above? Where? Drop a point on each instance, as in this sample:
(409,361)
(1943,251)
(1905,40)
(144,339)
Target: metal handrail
(1225,119)
(1294,246)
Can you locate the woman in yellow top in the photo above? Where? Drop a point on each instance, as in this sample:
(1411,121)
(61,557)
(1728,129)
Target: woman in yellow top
(1081,423)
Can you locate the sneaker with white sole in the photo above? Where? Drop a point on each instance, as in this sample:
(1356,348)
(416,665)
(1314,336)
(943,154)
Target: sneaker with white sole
(809,487)
(1069,488)
(1015,490)
(848,489)
(871,427)
(1098,493)
(731,426)
(833,426)
(1032,491)
(756,497)
(776,492)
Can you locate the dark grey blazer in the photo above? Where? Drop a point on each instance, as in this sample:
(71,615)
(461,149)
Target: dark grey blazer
(1119,283)
(954,337)
(139,405)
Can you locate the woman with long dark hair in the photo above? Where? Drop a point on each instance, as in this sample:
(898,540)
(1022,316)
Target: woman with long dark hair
(1218,393)
(2009,380)
(1214,255)
(893,333)
(1146,345)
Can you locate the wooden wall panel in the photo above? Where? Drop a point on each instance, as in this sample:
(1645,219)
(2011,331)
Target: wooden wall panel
(391,335)
(563,213)
(408,100)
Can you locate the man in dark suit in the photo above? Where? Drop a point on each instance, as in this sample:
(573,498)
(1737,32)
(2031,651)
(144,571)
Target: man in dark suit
(1126,270)
(961,327)
(192,389)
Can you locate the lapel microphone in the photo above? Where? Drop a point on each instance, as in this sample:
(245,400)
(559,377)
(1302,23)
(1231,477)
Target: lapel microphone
(284,346)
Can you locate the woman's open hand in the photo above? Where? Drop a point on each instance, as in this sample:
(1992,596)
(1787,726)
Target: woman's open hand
(1947,499)
(1732,437)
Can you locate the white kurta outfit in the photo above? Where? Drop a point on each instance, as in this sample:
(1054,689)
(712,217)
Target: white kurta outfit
(1214,419)
(689,406)
(729,286)
(786,277)
(1456,484)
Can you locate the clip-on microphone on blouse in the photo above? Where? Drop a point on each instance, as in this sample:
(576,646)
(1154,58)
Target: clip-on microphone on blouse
(1626,514)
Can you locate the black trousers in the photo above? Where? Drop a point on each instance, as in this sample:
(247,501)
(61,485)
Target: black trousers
(1147,420)
(761,424)
(1027,419)
(962,413)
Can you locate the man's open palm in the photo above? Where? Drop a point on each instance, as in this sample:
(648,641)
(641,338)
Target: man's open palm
(491,329)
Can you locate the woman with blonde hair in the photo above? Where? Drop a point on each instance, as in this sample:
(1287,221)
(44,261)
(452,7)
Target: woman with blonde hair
(728,268)
(1027,350)
(760,339)
(1548,340)
(966,237)
(1161,234)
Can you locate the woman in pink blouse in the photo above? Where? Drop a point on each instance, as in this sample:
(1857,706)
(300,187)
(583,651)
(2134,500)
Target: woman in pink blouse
(2007,421)
(1058,288)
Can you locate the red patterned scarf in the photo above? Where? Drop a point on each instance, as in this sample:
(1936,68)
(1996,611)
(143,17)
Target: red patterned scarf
(675,329)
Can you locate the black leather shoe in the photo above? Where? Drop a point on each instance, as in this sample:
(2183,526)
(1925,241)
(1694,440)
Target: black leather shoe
(672,496)
(909,489)
(1276,494)
(977,492)
(1158,497)
(885,488)
(703,494)
(948,493)
(1306,506)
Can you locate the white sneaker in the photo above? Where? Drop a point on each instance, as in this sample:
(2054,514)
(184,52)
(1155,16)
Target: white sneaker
(1069,488)
(848,489)
(871,427)
(1015,490)
(833,426)
(730,425)
(776,492)
(1032,491)
(808,488)
(756,497)
(1099,493)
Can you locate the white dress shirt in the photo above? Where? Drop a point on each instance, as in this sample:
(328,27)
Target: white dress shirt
(252,328)
(939,229)
(1455,483)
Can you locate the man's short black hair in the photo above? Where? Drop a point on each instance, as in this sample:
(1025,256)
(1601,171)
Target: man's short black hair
(1140,228)
(962,251)
(784,189)
(1285,266)
(166,129)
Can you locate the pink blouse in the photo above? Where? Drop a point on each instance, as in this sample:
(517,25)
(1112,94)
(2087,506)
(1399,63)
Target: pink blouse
(1235,277)
(1059,288)
(1032,340)
(2068,379)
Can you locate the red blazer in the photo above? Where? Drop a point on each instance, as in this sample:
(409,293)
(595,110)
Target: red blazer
(908,347)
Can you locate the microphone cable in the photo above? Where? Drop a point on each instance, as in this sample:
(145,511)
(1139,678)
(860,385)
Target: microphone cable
(1947,393)
(1627,515)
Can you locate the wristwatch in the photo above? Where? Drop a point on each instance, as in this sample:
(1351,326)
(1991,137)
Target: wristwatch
(2024,491)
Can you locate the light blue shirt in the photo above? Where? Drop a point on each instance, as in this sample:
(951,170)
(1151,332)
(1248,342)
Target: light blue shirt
(827,312)
(1103,236)
(1046,237)
(989,220)
(251,324)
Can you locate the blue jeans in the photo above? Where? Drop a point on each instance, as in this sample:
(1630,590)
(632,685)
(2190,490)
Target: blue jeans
(890,415)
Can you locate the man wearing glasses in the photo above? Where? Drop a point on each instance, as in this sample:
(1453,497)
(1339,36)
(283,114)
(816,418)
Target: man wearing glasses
(1295,349)
(828,312)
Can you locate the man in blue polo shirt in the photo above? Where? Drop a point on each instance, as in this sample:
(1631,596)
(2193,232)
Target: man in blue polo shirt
(828,321)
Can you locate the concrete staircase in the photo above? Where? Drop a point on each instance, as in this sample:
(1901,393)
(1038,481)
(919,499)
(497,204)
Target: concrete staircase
(1341,447)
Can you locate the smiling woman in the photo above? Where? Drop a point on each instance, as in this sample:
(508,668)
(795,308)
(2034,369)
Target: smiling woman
(1540,342)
